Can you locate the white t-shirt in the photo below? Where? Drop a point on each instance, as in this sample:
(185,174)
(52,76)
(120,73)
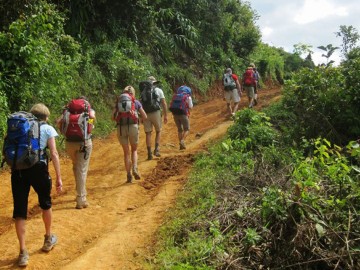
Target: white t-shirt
(159,93)
(46,132)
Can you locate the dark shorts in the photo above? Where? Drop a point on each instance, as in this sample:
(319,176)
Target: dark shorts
(21,180)
(182,122)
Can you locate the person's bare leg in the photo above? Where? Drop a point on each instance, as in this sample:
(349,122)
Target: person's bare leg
(47,218)
(20,226)
(148,144)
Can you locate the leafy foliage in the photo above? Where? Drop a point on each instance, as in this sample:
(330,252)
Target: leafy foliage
(37,59)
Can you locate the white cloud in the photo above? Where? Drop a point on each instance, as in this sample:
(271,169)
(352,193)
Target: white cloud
(266,31)
(316,23)
(314,10)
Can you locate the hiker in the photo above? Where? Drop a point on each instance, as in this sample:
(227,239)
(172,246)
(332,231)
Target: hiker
(232,91)
(180,106)
(37,177)
(248,82)
(126,114)
(154,103)
(76,124)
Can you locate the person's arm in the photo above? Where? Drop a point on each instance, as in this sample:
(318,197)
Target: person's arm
(56,162)
(164,109)
(92,114)
(142,114)
(190,103)
(238,86)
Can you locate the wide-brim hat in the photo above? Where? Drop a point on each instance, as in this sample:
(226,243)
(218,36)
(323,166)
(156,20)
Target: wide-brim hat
(152,79)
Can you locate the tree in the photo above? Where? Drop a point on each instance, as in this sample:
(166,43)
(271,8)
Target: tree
(302,49)
(329,49)
(350,37)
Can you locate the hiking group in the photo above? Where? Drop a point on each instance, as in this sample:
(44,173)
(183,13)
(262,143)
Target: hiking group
(29,136)
(233,88)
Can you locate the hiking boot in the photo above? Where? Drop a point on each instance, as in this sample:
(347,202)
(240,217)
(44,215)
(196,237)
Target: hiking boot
(49,242)
(182,145)
(157,153)
(82,205)
(23,258)
(129,178)
(150,156)
(136,173)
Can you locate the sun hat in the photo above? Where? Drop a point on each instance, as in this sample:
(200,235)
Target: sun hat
(152,79)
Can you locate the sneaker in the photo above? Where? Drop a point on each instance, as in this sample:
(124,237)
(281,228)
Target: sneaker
(82,205)
(129,178)
(157,153)
(150,157)
(23,258)
(136,173)
(49,242)
(182,145)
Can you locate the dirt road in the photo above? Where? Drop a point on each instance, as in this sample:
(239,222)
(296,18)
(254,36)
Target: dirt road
(120,225)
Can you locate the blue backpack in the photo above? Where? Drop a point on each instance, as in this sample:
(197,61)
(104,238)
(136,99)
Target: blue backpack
(22,143)
(178,104)
(184,89)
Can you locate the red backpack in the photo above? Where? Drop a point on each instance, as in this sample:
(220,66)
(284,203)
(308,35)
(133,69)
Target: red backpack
(126,112)
(249,78)
(75,124)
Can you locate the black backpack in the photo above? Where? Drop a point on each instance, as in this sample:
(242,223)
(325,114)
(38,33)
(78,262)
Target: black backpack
(148,97)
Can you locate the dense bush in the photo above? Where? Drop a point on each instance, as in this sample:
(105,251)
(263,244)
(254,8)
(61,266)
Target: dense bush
(273,207)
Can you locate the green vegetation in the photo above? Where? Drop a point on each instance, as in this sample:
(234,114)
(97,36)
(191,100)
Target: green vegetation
(281,191)
(52,51)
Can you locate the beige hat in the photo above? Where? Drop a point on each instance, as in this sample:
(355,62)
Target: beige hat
(152,79)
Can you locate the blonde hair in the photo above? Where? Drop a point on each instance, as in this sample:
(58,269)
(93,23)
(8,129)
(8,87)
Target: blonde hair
(40,111)
(129,89)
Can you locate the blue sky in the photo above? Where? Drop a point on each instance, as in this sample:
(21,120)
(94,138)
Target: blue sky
(284,23)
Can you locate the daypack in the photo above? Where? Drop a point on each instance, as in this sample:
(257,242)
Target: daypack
(229,82)
(148,98)
(184,89)
(75,124)
(249,78)
(22,143)
(178,104)
(126,112)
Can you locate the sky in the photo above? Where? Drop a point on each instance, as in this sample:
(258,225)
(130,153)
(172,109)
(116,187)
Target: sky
(284,23)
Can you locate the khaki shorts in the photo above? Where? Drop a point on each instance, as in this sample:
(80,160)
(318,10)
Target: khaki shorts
(232,95)
(128,133)
(250,91)
(153,119)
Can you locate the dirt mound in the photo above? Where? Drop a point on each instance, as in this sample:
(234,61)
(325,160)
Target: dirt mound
(118,228)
